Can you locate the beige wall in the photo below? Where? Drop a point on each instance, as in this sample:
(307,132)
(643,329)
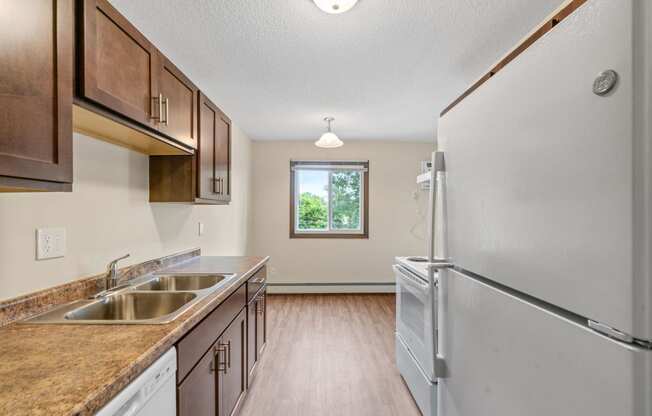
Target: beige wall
(396,217)
(108,214)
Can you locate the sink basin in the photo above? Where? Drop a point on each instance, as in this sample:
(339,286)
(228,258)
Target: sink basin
(148,300)
(182,282)
(132,306)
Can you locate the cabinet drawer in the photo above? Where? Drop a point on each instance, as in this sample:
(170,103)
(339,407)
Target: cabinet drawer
(256,282)
(201,337)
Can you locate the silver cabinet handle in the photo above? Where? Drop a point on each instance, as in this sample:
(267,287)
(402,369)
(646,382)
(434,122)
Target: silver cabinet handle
(217,356)
(157,100)
(218,185)
(167,110)
(228,354)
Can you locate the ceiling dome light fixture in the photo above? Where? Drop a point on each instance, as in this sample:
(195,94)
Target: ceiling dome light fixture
(335,6)
(329,140)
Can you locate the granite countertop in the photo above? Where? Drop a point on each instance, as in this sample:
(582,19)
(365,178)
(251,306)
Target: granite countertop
(77,369)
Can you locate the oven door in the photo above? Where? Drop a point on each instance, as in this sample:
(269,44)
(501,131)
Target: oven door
(415,322)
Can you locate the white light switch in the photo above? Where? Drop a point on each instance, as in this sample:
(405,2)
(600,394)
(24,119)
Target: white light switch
(50,243)
(201,228)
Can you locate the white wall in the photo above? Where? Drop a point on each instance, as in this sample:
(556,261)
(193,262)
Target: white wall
(108,214)
(395,228)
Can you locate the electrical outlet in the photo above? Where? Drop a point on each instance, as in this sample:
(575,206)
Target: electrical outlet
(201,228)
(50,243)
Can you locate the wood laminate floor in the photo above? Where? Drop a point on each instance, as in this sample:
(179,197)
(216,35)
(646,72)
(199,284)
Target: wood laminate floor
(329,355)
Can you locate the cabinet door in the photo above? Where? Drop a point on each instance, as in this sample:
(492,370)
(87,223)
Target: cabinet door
(261,323)
(231,381)
(251,339)
(178,104)
(213,152)
(223,157)
(36,60)
(120,66)
(207,186)
(198,393)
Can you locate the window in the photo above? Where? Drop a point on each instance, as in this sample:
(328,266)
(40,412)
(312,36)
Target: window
(329,199)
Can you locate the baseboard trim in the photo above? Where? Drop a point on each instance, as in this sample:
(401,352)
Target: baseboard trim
(331,287)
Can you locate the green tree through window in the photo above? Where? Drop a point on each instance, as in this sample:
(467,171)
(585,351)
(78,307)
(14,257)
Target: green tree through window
(345,194)
(313,212)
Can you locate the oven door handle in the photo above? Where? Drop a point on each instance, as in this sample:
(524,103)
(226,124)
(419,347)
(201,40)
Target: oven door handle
(413,280)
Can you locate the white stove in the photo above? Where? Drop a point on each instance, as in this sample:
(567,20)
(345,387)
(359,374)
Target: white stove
(416,330)
(416,264)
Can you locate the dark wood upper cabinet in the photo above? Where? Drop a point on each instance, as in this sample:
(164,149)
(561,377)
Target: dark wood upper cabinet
(121,71)
(36,68)
(214,153)
(118,67)
(204,178)
(223,157)
(207,186)
(178,104)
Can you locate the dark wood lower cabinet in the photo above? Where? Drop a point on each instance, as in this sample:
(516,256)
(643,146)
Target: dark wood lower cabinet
(251,340)
(216,359)
(261,322)
(231,382)
(197,394)
(215,383)
(256,331)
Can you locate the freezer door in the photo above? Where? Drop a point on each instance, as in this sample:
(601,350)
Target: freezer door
(540,174)
(509,357)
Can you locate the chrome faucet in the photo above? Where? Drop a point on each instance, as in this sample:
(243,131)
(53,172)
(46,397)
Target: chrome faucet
(111,279)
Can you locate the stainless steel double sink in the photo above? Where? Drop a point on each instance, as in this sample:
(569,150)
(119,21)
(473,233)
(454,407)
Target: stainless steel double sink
(152,299)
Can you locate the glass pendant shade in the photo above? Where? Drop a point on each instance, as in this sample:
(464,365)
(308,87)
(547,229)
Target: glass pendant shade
(335,6)
(329,140)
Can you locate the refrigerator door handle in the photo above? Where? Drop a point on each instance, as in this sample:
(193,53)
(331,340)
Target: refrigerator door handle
(441,371)
(610,332)
(439,264)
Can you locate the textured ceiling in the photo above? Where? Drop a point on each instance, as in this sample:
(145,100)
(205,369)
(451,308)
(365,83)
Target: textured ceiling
(384,70)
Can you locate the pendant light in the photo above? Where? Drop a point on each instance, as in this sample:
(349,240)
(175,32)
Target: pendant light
(329,140)
(335,6)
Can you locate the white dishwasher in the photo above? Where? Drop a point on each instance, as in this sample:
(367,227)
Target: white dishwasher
(153,393)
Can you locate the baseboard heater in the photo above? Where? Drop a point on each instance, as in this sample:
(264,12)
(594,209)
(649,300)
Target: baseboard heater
(335,284)
(331,287)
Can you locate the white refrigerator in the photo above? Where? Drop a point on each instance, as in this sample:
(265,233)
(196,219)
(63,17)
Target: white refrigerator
(548,308)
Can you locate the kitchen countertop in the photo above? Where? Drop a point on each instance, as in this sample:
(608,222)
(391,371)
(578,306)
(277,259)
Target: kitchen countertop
(77,369)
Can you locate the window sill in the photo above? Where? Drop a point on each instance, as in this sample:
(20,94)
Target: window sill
(329,235)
